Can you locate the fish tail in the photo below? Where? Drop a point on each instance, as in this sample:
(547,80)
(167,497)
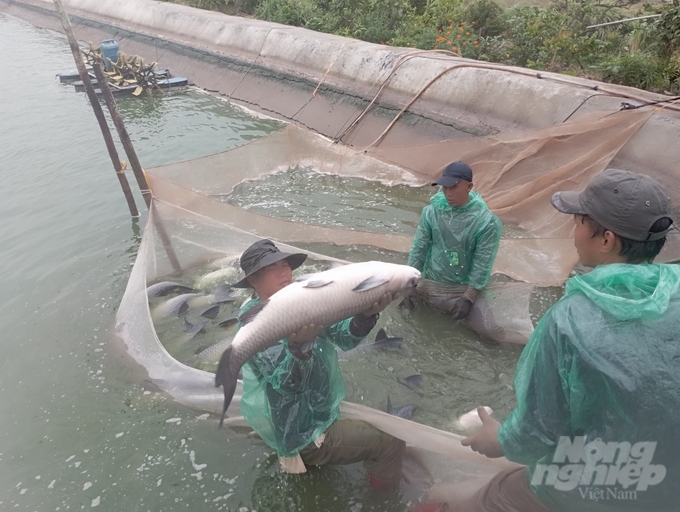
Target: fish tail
(225,378)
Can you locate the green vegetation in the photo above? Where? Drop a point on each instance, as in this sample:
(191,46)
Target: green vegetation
(555,37)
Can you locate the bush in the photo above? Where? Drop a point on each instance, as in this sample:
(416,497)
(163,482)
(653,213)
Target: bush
(488,16)
(638,69)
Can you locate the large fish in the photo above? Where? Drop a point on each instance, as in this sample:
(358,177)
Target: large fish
(178,306)
(319,299)
(166,288)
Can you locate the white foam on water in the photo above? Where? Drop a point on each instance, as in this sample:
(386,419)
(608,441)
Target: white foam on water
(87,486)
(96,501)
(192,458)
(120,434)
(51,486)
(173,420)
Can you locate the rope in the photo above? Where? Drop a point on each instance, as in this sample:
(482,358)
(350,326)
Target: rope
(630,106)
(323,78)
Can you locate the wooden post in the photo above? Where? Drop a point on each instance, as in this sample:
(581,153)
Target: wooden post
(98,112)
(134,161)
(122,133)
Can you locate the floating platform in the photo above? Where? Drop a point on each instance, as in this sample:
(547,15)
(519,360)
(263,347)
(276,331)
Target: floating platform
(167,83)
(72,75)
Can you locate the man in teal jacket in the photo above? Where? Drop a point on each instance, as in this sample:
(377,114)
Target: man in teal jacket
(455,244)
(292,391)
(597,420)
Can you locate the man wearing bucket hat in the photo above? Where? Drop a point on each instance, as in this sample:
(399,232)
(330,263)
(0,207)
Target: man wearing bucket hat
(598,384)
(292,391)
(455,244)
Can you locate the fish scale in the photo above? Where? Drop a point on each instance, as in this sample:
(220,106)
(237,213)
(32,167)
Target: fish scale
(319,299)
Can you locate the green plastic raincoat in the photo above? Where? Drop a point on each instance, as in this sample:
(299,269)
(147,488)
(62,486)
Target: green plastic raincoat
(456,244)
(603,367)
(291,401)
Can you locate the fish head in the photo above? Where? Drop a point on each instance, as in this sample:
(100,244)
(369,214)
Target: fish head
(404,280)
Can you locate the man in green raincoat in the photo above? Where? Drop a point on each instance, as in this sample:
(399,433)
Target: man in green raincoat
(292,391)
(597,421)
(455,244)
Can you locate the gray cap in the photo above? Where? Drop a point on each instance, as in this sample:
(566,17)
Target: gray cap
(625,203)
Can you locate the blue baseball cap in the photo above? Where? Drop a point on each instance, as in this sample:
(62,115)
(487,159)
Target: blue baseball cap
(453,173)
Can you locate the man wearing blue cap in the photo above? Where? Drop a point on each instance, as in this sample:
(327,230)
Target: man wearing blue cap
(455,244)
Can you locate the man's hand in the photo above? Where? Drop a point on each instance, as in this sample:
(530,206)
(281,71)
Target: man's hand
(301,343)
(485,440)
(382,303)
(461,308)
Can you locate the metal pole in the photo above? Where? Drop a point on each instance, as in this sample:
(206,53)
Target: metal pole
(98,112)
(623,21)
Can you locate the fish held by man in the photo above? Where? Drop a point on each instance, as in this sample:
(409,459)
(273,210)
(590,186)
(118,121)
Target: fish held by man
(316,299)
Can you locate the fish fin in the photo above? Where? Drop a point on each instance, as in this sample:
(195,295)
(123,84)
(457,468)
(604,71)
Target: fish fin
(229,321)
(193,329)
(317,283)
(388,343)
(211,313)
(384,341)
(304,277)
(390,409)
(406,411)
(415,380)
(183,309)
(222,294)
(225,378)
(370,283)
(249,316)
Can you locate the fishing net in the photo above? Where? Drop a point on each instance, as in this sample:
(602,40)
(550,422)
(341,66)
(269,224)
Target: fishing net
(195,235)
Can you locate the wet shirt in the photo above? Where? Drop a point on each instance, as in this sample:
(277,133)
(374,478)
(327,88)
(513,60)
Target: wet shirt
(598,394)
(291,401)
(456,245)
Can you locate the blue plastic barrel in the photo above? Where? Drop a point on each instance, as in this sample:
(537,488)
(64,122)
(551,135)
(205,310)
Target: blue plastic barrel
(109,52)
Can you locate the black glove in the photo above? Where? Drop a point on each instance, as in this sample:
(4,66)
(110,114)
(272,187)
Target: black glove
(362,324)
(461,308)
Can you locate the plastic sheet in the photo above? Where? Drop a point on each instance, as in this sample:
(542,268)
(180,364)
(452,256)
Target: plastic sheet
(456,245)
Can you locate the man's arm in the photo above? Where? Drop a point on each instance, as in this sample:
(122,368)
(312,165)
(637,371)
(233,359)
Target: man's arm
(422,241)
(485,254)
(542,413)
(349,333)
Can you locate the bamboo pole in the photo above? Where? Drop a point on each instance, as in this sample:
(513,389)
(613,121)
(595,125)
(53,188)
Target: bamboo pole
(134,161)
(98,112)
(123,133)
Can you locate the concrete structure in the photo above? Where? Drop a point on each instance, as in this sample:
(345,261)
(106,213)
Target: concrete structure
(324,82)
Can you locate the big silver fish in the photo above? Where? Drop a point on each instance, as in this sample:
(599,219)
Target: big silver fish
(319,299)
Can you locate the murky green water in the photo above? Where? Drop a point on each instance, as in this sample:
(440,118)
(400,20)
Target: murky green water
(80,427)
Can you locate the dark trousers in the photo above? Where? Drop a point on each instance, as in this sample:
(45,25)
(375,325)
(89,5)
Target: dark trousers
(350,441)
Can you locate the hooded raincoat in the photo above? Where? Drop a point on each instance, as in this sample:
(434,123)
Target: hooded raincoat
(456,245)
(598,394)
(291,401)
